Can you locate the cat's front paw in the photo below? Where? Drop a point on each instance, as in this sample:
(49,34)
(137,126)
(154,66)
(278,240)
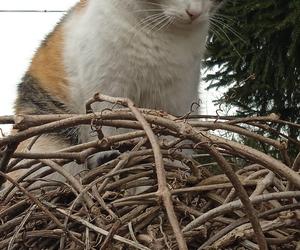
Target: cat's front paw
(102,157)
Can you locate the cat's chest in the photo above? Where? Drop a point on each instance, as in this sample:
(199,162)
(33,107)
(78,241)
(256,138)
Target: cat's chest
(140,60)
(147,69)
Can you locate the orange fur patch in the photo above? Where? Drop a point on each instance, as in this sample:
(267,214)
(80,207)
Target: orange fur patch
(81,5)
(47,66)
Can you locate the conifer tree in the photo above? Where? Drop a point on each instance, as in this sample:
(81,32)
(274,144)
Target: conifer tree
(255,45)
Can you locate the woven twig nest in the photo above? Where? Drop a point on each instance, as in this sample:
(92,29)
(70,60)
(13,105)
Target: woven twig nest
(155,194)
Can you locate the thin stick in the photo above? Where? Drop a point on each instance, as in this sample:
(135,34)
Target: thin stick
(237,205)
(99,230)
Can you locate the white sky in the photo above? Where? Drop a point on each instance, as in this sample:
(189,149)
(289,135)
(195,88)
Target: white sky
(21,34)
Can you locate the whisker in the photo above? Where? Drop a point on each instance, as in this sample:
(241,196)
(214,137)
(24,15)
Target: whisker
(217,33)
(147,10)
(233,31)
(143,24)
(155,4)
(148,23)
(148,19)
(177,15)
(157,25)
(167,23)
(225,17)
(228,38)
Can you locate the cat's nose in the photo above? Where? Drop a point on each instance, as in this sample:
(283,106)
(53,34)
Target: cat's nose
(193,14)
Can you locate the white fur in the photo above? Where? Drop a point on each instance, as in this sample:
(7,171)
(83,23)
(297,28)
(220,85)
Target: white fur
(107,52)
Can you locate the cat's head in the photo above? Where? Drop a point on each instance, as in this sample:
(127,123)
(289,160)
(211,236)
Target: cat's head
(178,12)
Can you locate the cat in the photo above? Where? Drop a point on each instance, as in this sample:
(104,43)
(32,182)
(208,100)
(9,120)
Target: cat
(147,50)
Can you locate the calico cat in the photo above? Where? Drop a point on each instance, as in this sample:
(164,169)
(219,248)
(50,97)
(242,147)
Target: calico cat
(147,50)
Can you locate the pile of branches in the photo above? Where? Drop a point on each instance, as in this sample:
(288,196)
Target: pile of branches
(155,194)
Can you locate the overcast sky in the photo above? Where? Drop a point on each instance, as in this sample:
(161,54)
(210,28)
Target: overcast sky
(21,34)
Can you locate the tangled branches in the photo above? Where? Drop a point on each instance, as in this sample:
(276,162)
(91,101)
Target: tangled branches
(155,194)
